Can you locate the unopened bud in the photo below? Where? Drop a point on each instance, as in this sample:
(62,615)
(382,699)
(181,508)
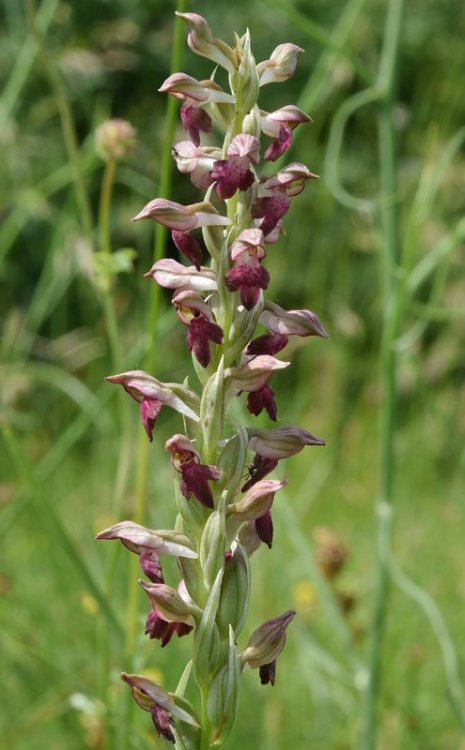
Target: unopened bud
(246,79)
(201,41)
(252,122)
(281,64)
(267,642)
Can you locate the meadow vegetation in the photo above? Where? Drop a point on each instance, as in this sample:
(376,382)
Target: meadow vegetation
(382,264)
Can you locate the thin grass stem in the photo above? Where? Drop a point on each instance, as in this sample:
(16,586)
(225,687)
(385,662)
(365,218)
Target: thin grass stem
(388,366)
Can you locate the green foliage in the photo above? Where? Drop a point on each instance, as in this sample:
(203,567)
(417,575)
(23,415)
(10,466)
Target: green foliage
(65,67)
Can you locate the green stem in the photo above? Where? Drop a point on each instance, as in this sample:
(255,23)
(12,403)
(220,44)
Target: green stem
(104,205)
(206,729)
(388,367)
(166,176)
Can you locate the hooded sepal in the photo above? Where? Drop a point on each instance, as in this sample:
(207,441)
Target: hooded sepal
(282,442)
(169,603)
(266,643)
(139,539)
(163,707)
(257,501)
(201,41)
(152,394)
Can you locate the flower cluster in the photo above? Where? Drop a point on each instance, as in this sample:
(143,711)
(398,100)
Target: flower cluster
(225,497)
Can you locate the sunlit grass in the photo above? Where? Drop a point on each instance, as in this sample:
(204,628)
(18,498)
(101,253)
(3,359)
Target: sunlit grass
(64,421)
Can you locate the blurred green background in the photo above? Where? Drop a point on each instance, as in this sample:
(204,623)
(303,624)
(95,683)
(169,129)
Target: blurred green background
(66,67)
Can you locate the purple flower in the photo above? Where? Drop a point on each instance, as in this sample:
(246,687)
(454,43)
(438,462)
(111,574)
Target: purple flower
(152,395)
(264,528)
(194,312)
(269,343)
(250,241)
(194,475)
(159,703)
(289,180)
(199,335)
(280,144)
(247,277)
(267,673)
(265,645)
(233,173)
(271,209)
(196,161)
(150,565)
(279,126)
(254,373)
(181,218)
(289,115)
(162,722)
(195,478)
(256,507)
(260,467)
(261,399)
(159,629)
(194,120)
(230,175)
(188,246)
(149,410)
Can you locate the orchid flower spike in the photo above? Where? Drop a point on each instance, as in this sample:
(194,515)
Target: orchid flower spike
(224,496)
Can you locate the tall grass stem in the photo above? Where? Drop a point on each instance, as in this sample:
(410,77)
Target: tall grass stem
(388,364)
